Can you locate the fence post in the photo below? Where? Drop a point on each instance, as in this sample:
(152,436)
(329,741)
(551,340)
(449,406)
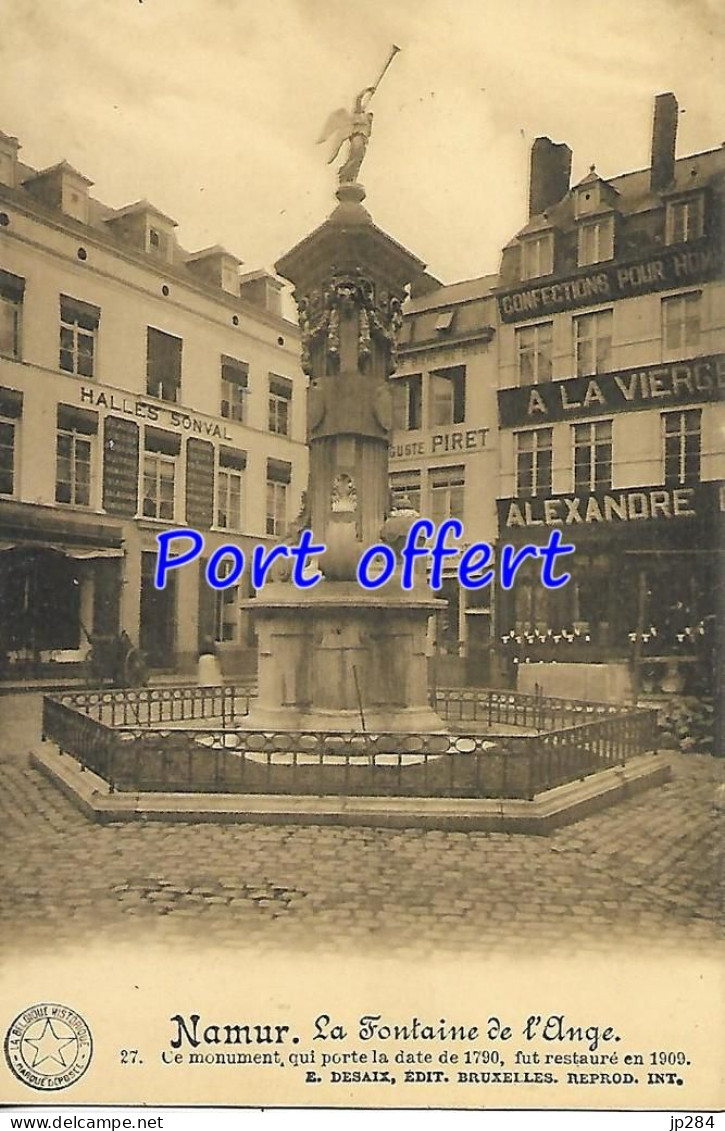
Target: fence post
(111,761)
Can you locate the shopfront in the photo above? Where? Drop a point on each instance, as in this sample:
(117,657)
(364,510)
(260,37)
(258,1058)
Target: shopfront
(645,587)
(60,584)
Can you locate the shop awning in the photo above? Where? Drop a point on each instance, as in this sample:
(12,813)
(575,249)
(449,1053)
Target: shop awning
(80,553)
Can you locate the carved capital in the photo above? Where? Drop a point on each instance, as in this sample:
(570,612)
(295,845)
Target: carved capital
(344,295)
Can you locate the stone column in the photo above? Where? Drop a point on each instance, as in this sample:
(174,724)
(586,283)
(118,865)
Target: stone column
(339,656)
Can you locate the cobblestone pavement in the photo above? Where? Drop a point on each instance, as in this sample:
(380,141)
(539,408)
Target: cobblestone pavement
(646,870)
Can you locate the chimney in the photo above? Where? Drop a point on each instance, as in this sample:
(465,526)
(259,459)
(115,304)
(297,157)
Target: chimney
(664,136)
(550,172)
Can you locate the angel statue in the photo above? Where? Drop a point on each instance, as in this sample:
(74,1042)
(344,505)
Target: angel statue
(354,127)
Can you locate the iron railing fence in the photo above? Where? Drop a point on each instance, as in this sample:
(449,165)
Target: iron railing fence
(144,755)
(492,707)
(484,706)
(151,706)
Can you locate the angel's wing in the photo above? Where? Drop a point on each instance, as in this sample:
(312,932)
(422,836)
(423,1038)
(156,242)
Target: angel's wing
(336,129)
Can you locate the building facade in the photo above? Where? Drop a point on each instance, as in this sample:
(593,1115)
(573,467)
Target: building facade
(141,388)
(443,453)
(611,341)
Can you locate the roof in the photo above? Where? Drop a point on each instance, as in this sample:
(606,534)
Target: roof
(60,167)
(593,178)
(99,221)
(140,206)
(539,223)
(691,172)
(349,236)
(260,273)
(634,189)
(467,290)
(207,253)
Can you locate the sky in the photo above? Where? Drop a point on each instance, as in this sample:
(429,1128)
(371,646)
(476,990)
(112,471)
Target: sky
(211,108)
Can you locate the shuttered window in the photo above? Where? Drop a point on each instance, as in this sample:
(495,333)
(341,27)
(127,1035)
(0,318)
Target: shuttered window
(12,290)
(163,364)
(79,322)
(235,387)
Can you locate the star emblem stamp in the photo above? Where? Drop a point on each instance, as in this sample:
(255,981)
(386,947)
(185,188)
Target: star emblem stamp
(48,1047)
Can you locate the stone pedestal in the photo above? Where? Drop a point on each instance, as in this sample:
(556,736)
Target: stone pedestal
(601,683)
(340,658)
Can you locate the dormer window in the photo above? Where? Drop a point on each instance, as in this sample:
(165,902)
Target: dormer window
(159,243)
(146,228)
(684,219)
(595,242)
(537,255)
(61,187)
(217,266)
(230,277)
(593,195)
(8,160)
(444,322)
(587,200)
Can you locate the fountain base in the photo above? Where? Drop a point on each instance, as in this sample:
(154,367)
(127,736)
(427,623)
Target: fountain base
(341,658)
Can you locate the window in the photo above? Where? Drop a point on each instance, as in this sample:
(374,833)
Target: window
(276,507)
(226,615)
(279,474)
(446,493)
(76,428)
(159,473)
(73,469)
(593,343)
(12,289)
(163,365)
(684,220)
(235,377)
(681,323)
(537,255)
(405,489)
(230,482)
(159,243)
(79,323)
(533,462)
(682,441)
(533,353)
(7,456)
(229,500)
(596,241)
(444,321)
(407,403)
(280,396)
(593,456)
(11,410)
(448,396)
(226,608)
(449,618)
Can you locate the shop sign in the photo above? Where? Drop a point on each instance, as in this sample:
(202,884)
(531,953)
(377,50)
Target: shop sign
(141,409)
(691,381)
(639,504)
(442,443)
(690,263)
